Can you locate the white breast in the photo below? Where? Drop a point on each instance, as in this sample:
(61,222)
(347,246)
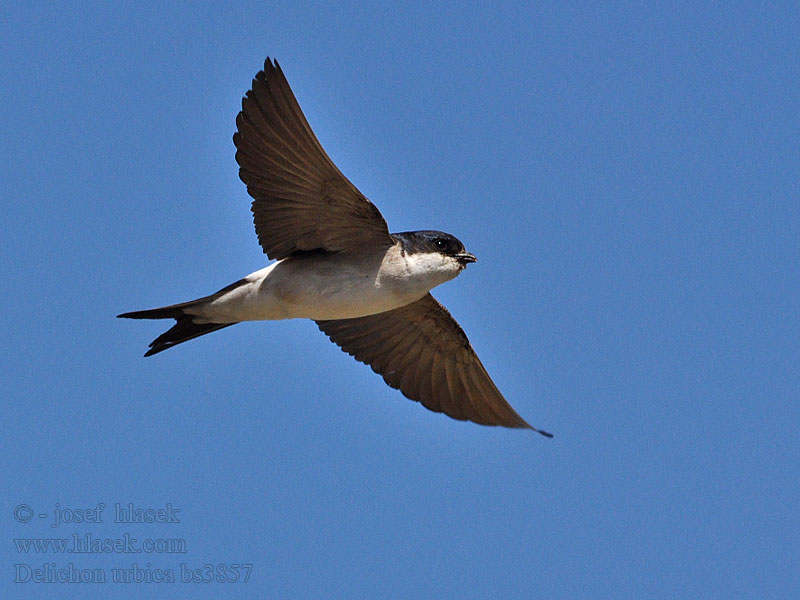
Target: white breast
(330,286)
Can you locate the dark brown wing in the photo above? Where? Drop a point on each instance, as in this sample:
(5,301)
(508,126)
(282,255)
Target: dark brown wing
(301,201)
(422,351)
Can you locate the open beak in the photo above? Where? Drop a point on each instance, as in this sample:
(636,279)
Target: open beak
(465,257)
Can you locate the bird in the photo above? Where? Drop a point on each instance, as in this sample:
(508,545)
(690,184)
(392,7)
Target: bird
(336,263)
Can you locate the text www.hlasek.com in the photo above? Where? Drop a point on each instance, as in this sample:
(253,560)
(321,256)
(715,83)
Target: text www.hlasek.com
(89,544)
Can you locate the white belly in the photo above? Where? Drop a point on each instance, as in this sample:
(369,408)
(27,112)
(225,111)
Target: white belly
(326,287)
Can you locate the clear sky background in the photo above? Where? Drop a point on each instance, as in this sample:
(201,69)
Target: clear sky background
(629,178)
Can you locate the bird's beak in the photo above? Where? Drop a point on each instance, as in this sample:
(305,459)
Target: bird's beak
(465,257)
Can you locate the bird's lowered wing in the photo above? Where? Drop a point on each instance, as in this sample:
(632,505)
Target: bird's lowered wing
(422,351)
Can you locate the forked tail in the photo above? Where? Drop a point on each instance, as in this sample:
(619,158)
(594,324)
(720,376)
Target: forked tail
(184,329)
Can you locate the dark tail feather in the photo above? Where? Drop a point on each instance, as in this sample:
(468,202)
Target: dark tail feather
(183,330)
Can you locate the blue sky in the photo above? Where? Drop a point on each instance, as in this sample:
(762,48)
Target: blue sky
(628,177)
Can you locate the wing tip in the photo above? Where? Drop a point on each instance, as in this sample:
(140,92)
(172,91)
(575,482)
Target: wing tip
(271,65)
(523,424)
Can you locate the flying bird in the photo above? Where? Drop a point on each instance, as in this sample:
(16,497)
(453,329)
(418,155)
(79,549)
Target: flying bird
(367,289)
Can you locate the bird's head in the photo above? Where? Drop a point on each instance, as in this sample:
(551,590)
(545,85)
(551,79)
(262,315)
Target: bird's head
(434,252)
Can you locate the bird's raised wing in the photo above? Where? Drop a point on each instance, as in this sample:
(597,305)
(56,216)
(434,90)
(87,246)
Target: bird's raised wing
(301,201)
(422,351)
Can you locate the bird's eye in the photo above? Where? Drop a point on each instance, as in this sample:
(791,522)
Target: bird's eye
(440,243)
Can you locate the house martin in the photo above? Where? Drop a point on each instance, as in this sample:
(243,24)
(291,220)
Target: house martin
(367,289)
